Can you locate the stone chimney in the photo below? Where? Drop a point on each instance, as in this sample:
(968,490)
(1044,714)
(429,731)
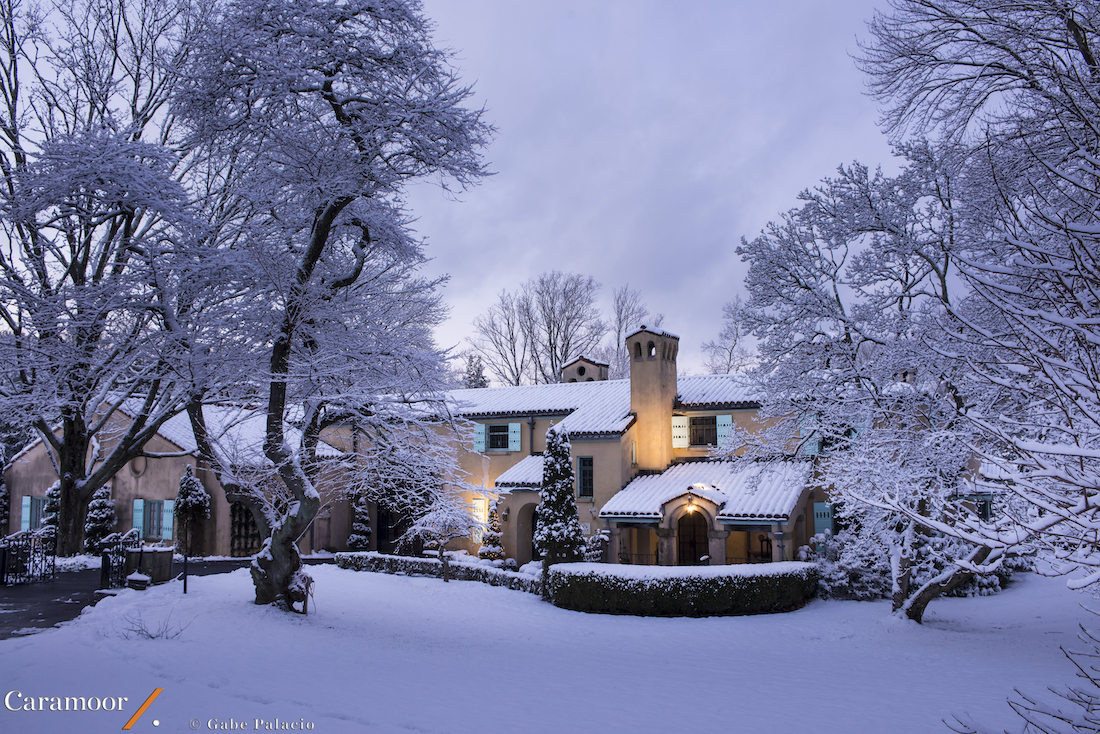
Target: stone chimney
(652,394)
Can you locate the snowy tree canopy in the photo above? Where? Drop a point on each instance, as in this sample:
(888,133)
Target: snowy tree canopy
(1016,86)
(312,117)
(96,247)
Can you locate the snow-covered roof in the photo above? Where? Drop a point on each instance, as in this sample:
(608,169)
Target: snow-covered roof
(658,332)
(600,407)
(716,390)
(744,491)
(590,360)
(238,434)
(589,407)
(527,473)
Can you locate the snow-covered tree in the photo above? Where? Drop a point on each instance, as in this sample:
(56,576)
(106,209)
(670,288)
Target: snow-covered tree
(101,520)
(92,236)
(1018,84)
(846,295)
(474,375)
(359,539)
(315,115)
(447,518)
(52,511)
(558,538)
(492,549)
(191,508)
(5,499)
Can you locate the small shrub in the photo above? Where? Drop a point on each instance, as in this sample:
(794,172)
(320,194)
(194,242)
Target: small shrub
(486,574)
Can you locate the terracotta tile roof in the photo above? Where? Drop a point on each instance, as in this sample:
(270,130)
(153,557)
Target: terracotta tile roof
(527,473)
(600,407)
(591,407)
(744,491)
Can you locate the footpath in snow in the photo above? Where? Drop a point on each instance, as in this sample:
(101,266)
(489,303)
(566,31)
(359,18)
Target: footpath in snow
(383,653)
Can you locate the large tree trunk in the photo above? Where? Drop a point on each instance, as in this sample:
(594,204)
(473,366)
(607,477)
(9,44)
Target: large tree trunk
(913,608)
(71,458)
(277,570)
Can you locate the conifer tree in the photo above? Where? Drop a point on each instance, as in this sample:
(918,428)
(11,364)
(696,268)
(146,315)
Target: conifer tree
(100,520)
(192,506)
(475,372)
(51,515)
(4,500)
(558,538)
(360,524)
(491,548)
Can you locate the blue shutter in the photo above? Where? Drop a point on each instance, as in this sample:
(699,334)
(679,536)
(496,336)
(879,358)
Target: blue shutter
(515,436)
(479,438)
(25,517)
(139,517)
(809,445)
(725,429)
(823,518)
(680,436)
(166,518)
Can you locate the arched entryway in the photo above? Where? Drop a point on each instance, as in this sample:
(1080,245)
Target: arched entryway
(691,540)
(526,523)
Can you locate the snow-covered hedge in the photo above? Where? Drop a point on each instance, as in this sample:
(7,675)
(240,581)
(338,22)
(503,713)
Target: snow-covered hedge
(486,574)
(682,591)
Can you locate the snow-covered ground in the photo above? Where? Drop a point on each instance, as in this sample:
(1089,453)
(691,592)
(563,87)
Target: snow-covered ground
(391,654)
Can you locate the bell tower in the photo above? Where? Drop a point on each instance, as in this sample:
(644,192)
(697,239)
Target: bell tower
(652,394)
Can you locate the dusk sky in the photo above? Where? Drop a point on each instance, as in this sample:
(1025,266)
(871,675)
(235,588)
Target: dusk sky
(638,142)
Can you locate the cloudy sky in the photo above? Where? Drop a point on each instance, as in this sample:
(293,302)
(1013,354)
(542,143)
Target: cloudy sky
(639,140)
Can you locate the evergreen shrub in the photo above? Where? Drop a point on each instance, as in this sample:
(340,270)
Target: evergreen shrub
(382,563)
(705,591)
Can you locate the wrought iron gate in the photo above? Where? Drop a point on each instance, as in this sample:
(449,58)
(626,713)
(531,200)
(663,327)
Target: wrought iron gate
(27,557)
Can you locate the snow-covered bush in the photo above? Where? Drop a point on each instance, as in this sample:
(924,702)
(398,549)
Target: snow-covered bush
(491,547)
(851,567)
(192,507)
(595,547)
(681,591)
(51,515)
(855,563)
(404,565)
(360,523)
(100,521)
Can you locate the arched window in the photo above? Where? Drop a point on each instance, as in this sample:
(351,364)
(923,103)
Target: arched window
(637,350)
(652,351)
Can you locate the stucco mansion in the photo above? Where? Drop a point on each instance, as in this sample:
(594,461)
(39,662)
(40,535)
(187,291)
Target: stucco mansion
(641,452)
